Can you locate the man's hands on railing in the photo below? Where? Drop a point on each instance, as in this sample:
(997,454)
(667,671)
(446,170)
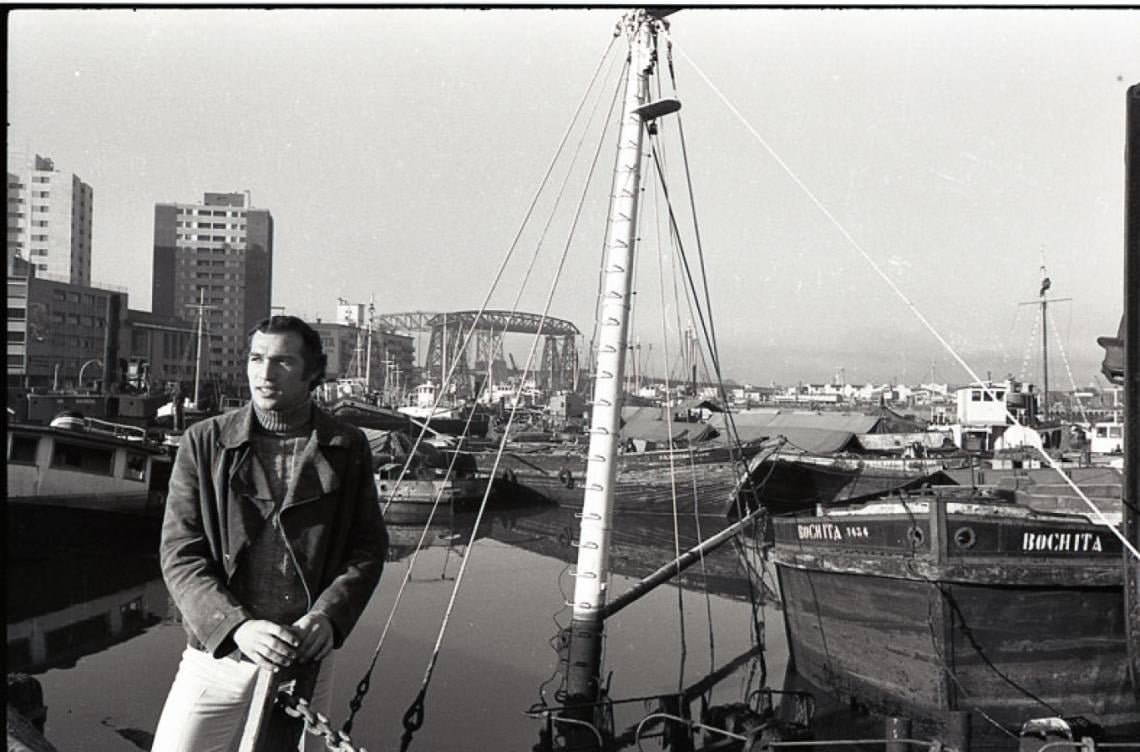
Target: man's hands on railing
(269,645)
(277,646)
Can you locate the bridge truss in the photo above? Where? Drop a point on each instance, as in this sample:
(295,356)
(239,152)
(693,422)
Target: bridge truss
(558,366)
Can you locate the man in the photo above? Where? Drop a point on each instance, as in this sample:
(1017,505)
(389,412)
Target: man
(272,542)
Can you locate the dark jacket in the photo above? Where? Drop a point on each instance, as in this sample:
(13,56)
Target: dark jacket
(220,498)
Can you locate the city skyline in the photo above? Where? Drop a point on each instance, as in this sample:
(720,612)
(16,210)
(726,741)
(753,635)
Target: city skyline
(397,150)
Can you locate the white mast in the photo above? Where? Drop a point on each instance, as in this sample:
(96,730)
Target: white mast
(584,635)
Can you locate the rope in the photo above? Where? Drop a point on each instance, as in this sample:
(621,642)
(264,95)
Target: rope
(1068,369)
(671,449)
(1100,518)
(1027,353)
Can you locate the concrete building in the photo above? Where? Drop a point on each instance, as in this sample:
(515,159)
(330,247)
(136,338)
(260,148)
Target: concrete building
(219,253)
(61,335)
(159,351)
(49,219)
(346,347)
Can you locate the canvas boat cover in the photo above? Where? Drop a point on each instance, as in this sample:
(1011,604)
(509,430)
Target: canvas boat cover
(813,432)
(648,424)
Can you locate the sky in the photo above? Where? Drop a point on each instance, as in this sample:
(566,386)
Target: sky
(954,151)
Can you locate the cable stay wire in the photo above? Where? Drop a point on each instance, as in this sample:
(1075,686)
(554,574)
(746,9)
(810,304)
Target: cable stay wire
(1097,515)
(667,355)
(1068,369)
(671,449)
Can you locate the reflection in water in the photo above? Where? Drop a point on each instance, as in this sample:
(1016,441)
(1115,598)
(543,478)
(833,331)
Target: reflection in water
(641,542)
(63,608)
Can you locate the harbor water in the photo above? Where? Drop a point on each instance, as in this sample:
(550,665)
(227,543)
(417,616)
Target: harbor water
(97,629)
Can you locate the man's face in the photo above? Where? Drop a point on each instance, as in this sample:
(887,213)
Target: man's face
(276,370)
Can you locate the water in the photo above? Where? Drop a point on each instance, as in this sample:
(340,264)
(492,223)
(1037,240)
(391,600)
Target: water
(97,629)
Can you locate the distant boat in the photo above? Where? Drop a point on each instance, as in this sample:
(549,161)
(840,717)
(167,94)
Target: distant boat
(412,484)
(960,603)
(443,417)
(654,479)
(364,414)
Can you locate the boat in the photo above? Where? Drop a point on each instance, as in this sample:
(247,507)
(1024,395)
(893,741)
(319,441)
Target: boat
(80,480)
(984,612)
(791,482)
(364,414)
(956,603)
(430,409)
(413,481)
(1042,489)
(653,479)
(832,459)
(1106,439)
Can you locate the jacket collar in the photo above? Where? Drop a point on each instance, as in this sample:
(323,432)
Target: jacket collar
(315,475)
(236,428)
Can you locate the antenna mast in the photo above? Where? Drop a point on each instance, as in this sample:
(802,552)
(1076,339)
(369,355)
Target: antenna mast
(201,308)
(1044,303)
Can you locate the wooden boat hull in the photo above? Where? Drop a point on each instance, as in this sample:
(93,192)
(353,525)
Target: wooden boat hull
(789,484)
(704,476)
(412,499)
(949,608)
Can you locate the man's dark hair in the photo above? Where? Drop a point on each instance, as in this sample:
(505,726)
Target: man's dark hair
(312,352)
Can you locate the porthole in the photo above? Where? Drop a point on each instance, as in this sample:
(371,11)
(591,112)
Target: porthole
(965,537)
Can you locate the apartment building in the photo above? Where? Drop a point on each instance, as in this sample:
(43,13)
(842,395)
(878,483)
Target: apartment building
(49,219)
(215,259)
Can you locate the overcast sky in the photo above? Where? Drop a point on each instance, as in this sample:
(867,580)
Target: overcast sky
(398,151)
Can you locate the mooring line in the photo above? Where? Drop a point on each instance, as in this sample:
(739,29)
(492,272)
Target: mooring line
(1097,513)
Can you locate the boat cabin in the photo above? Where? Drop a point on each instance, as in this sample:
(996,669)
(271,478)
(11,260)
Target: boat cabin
(1107,437)
(83,462)
(985,424)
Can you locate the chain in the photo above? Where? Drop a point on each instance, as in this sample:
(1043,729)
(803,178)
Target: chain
(316,723)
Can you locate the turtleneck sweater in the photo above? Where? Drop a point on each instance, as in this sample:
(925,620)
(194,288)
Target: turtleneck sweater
(266,580)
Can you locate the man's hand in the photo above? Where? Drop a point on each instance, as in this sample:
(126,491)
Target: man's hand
(267,644)
(315,632)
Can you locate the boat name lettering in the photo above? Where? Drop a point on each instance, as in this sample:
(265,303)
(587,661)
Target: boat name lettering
(1061,542)
(819,531)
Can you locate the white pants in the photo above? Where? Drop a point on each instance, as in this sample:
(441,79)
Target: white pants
(209,700)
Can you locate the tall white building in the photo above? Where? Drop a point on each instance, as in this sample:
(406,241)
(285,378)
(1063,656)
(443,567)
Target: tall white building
(49,219)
